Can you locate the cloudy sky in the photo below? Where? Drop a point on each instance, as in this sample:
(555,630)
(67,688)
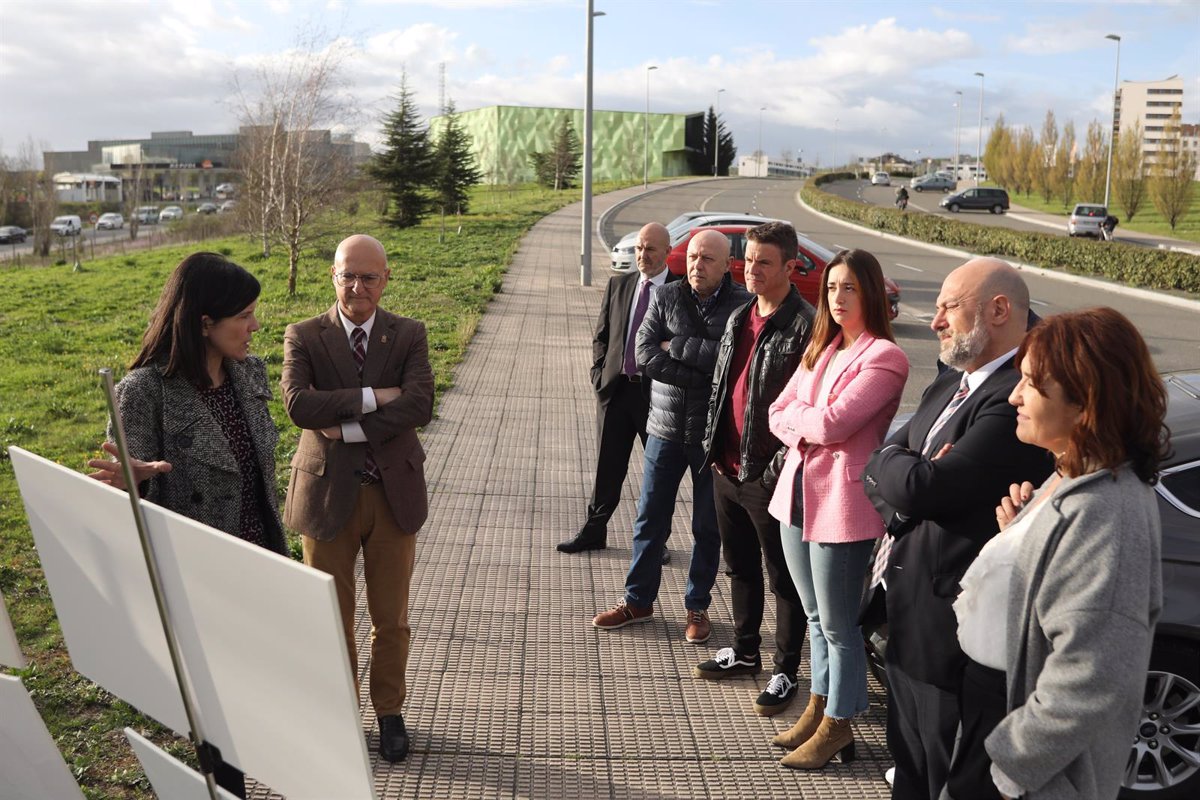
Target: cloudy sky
(882,75)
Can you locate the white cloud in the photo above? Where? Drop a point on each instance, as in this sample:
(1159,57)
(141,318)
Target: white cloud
(1044,37)
(469,5)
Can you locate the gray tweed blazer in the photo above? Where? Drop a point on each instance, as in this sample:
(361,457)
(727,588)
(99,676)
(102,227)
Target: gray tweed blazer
(165,419)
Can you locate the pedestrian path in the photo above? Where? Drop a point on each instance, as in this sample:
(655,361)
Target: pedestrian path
(512,692)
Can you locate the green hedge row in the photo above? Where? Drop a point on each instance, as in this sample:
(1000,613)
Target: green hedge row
(1123,263)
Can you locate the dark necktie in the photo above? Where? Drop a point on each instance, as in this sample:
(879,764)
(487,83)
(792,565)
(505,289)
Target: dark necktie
(639,313)
(370,468)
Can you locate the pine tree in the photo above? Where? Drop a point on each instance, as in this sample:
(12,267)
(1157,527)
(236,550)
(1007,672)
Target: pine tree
(701,162)
(406,165)
(454,167)
(557,168)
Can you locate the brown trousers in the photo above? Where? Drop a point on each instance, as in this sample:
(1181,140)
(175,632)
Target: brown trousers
(388,558)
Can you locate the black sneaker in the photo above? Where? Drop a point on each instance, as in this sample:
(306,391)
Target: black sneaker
(726,664)
(778,695)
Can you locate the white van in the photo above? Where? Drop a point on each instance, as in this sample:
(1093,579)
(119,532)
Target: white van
(68,225)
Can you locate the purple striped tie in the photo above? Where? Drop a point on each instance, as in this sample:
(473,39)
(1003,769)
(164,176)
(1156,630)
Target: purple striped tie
(639,313)
(370,468)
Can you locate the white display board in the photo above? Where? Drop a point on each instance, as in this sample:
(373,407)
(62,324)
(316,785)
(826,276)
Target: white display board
(170,778)
(10,650)
(31,768)
(260,634)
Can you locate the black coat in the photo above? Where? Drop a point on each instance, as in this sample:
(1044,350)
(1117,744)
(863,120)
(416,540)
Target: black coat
(949,511)
(775,359)
(608,340)
(682,375)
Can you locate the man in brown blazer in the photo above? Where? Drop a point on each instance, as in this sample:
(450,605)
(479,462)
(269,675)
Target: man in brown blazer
(357,380)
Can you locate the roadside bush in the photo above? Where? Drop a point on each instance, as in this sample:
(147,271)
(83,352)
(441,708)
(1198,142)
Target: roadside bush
(1122,263)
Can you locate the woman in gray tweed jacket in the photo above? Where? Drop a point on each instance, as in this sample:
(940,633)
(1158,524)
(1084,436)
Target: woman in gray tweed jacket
(194,407)
(1086,584)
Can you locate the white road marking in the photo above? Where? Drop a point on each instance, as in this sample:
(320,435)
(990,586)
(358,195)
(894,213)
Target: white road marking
(841,247)
(906,266)
(1033,302)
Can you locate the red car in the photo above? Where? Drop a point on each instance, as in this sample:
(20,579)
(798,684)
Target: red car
(811,259)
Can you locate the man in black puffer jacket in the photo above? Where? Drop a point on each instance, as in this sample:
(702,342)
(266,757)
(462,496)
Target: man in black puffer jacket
(677,349)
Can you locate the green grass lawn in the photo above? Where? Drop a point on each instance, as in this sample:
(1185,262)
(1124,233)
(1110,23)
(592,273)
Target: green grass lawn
(60,327)
(1148,220)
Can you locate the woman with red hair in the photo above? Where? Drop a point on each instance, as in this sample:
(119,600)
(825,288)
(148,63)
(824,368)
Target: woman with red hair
(1077,564)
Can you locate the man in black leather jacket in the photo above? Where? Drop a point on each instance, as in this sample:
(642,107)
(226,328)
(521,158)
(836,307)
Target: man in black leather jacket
(760,351)
(677,349)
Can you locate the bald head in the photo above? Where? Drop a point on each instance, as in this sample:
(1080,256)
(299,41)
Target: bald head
(653,247)
(707,261)
(981,313)
(360,273)
(359,246)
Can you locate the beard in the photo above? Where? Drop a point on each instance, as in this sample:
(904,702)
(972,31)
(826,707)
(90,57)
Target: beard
(961,350)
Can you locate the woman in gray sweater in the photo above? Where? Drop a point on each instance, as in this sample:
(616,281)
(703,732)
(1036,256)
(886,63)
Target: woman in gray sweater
(1085,590)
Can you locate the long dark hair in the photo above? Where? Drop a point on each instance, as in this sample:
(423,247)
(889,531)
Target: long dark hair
(204,284)
(1103,365)
(872,294)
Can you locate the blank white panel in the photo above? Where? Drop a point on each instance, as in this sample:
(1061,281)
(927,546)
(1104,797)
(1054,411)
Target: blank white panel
(260,634)
(31,768)
(10,651)
(170,778)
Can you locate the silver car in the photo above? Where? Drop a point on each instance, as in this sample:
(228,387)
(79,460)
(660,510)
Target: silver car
(1086,219)
(933,182)
(623,252)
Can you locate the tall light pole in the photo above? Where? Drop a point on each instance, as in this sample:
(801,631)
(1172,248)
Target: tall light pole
(957,131)
(883,146)
(1112,134)
(762,157)
(716,134)
(646,131)
(834,165)
(585,256)
(979,140)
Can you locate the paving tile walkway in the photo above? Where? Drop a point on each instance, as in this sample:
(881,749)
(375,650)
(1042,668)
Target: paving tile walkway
(512,693)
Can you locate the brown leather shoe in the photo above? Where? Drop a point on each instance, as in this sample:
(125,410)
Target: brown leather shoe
(621,615)
(833,741)
(698,627)
(805,727)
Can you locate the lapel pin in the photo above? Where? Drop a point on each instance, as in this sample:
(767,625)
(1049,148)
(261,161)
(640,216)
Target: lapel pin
(383,339)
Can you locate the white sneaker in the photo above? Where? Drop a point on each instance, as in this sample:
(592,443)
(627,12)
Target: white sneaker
(890,776)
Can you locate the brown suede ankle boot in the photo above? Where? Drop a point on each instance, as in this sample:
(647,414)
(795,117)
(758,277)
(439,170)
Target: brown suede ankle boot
(805,727)
(833,741)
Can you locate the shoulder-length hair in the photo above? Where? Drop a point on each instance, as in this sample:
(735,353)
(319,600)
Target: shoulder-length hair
(203,285)
(872,293)
(1103,365)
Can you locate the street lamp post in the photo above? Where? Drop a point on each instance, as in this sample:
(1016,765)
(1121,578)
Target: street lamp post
(585,256)
(1112,134)
(762,157)
(979,140)
(883,147)
(716,134)
(646,132)
(836,120)
(957,132)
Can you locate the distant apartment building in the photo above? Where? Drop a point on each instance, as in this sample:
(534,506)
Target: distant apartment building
(1151,103)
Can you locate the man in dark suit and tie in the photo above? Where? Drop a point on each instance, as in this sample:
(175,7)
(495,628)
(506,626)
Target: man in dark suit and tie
(937,482)
(357,380)
(622,397)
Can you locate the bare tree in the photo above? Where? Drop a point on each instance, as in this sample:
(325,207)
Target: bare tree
(38,188)
(1172,185)
(1129,171)
(134,190)
(1063,175)
(1047,147)
(291,169)
(1093,163)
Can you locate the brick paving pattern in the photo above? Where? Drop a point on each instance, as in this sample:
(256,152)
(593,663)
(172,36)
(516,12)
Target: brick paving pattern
(512,692)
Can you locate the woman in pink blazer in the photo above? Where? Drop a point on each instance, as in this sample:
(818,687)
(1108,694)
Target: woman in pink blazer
(833,413)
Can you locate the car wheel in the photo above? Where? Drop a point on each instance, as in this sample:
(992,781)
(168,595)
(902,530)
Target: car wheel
(997,209)
(917,189)
(953,208)
(1164,763)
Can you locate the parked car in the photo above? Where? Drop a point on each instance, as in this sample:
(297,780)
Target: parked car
(980,198)
(206,208)
(811,259)
(623,253)
(11,233)
(147,215)
(881,179)
(169,213)
(67,225)
(228,205)
(1164,760)
(224,191)
(110,221)
(1086,219)
(934,182)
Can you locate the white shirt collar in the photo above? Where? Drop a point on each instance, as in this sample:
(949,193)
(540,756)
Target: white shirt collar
(350,326)
(657,280)
(976,378)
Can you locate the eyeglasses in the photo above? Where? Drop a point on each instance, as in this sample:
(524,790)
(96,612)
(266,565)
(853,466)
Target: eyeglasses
(369,281)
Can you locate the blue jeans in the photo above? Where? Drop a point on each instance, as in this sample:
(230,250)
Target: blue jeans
(829,579)
(663,469)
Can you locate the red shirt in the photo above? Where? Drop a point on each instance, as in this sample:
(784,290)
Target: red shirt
(734,422)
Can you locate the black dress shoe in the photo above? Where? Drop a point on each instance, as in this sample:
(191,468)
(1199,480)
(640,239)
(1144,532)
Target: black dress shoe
(584,540)
(666,556)
(393,738)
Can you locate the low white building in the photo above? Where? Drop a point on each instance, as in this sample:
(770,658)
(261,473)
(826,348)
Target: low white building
(87,187)
(759,166)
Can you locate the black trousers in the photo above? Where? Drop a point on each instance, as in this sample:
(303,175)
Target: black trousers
(984,703)
(922,721)
(619,421)
(749,536)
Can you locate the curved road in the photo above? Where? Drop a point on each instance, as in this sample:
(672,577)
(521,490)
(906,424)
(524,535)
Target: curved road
(1171,332)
